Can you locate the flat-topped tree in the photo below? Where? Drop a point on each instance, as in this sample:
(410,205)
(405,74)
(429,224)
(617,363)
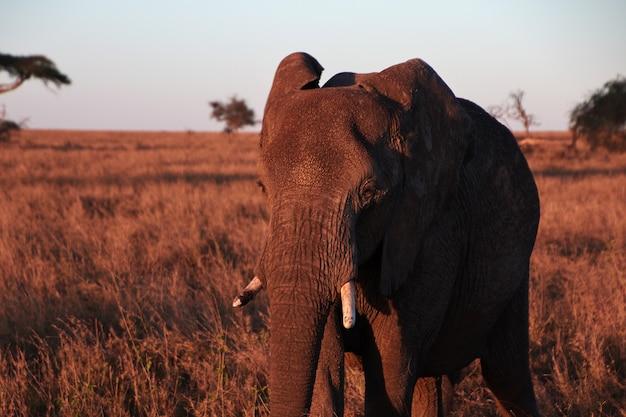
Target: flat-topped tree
(31,66)
(235,113)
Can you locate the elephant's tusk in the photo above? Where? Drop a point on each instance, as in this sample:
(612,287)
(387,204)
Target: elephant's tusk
(248,293)
(348,304)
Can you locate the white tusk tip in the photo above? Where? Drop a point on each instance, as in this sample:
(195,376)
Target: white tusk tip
(348,304)
(248,293)
(348,322)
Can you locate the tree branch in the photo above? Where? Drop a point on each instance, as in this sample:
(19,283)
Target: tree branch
(12,86)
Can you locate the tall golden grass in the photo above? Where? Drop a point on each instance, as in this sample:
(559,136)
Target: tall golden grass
(120,254)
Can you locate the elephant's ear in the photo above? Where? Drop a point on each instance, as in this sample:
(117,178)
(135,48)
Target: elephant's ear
(431,142)
(297,71)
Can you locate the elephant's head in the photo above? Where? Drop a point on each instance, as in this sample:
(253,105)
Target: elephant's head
(356,169)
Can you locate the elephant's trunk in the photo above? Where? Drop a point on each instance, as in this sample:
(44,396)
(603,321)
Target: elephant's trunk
(307,259)
(295,341)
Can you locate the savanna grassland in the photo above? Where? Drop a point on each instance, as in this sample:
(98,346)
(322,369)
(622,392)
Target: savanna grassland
(120,253)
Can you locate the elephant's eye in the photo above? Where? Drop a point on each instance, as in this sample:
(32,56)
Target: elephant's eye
(367,193)
(260,184)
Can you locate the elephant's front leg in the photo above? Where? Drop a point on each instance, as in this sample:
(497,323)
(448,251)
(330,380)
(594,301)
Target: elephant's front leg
(390,372)
(329,378)
(432,397)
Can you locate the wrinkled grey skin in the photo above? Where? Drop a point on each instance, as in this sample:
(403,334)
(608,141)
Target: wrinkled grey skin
(428,204)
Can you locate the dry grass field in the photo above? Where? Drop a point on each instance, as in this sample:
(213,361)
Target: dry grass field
(120,254)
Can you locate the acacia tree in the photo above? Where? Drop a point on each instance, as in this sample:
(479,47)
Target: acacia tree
(25,67)
(235,113)
(601,119)
(499,112)
(513,108)
(517,111)
(22,68)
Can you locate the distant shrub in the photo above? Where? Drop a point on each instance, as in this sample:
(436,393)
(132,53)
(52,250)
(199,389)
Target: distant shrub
(236,114)
(601,119)
(7,127)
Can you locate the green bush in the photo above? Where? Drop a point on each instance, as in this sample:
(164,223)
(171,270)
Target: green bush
(601,119)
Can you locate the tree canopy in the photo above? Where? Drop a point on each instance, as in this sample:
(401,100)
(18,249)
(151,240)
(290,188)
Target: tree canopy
(25,67)
(601,119)
(235,113)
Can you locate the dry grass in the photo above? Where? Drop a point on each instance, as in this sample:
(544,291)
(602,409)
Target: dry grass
(120,254)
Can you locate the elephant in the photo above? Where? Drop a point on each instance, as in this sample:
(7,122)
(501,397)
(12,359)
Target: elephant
(402,223)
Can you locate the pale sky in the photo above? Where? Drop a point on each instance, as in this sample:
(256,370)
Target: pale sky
(154,65)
